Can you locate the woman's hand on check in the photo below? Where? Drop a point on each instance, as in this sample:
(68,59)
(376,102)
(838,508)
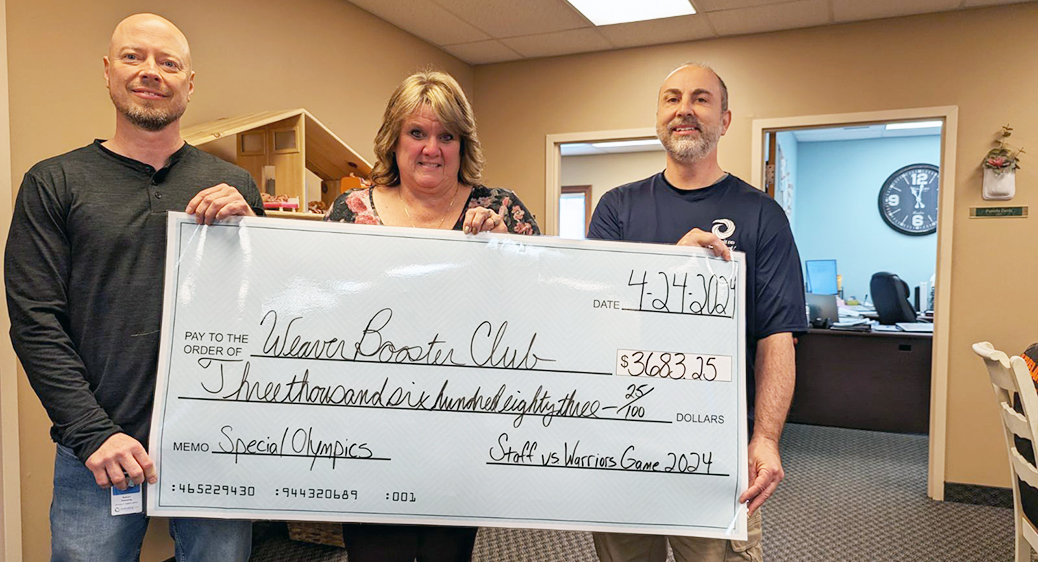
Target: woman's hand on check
(481,219)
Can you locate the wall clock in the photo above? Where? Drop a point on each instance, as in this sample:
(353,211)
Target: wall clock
(908,199)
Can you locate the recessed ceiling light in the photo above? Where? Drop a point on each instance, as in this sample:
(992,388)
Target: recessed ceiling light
(915,125)
(618,144)
(608,12)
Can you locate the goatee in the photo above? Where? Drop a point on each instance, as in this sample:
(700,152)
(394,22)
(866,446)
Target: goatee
(688,149)
(146,117)
(150,120)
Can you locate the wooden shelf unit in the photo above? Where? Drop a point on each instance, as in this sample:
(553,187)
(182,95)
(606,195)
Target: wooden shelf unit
(292,141)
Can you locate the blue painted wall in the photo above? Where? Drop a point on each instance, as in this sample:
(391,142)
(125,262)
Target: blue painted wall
(838,214)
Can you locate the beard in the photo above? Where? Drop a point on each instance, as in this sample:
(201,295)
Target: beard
(146,116)
(688,149)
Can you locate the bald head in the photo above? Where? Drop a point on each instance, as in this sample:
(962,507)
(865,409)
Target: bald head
(699,66)
(148,72)
(149,29)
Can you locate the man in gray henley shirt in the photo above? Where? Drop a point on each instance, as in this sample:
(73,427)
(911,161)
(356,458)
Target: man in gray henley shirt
(84,274)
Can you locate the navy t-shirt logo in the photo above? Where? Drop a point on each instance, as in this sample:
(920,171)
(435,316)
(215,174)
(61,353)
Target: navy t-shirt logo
(724,229)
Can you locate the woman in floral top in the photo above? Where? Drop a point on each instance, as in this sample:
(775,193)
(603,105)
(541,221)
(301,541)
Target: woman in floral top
(357,206)
(428,175)
(429,168)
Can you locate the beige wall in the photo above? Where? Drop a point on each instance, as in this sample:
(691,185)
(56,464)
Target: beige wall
(606,171)
(983,61)
(10,494)
(335,60)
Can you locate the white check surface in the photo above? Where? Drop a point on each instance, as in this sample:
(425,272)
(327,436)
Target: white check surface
(337,372)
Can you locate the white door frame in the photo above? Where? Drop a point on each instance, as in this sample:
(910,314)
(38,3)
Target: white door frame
(10,457)
(553,166)
(945,227)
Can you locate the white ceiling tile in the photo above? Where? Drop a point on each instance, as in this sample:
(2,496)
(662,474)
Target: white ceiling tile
(579,149)
(773,17)
(977,3)
(511,18)
(720,5)
(860,133)
(485,31)
(424,19)
(656,32)
(839,133)
(857,10)
(586,149)
(482,52)
(558,43)
(931,132)
(629,149)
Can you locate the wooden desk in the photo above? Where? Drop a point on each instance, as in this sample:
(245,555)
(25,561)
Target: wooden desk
(863,380)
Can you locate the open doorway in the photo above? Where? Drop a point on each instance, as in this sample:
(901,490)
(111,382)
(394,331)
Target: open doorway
(841,197)
(862,199)
(578,145)
(589,169)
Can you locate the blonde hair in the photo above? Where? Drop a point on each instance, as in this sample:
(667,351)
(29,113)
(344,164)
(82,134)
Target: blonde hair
(442,94)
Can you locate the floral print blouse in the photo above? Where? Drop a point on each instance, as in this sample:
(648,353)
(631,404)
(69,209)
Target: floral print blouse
(357,206)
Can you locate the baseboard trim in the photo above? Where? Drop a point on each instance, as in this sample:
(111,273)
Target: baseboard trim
(978,495)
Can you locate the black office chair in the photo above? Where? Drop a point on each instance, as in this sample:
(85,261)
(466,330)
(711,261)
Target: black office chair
(890,297)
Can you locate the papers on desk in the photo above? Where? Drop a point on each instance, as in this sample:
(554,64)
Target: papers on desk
(854,328)
(865,311)
(851,324)
(924,327)
(914,327)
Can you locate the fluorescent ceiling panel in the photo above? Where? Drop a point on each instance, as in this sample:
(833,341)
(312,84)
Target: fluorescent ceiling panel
(609,12)
(915,125)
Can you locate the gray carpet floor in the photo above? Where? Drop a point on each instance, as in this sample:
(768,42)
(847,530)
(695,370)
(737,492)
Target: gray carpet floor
(854,496)
(848,496)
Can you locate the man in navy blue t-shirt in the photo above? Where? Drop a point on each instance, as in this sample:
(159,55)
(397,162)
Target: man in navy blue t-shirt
(693,202)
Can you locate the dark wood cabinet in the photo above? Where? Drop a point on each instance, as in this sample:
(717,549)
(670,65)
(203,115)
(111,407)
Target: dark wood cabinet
(863,380)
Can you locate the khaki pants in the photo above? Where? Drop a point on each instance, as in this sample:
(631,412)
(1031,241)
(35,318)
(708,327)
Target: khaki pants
(616,547)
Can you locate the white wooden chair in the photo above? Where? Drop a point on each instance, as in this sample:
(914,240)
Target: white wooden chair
(1010,377)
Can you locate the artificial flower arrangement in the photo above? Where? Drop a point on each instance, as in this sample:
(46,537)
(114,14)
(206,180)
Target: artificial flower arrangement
(1002,158)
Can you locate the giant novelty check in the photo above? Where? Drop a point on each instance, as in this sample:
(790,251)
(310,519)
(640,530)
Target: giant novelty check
(330,372)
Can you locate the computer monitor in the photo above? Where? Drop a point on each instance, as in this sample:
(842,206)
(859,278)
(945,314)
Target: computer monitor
(822,311)
(821,277)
